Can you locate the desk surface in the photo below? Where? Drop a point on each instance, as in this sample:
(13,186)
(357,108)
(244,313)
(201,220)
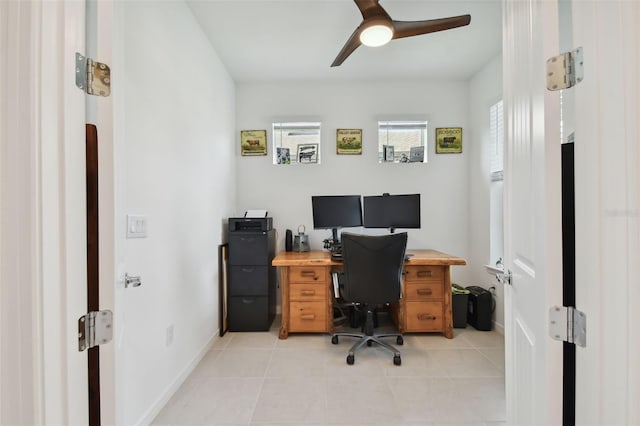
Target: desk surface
(323,258)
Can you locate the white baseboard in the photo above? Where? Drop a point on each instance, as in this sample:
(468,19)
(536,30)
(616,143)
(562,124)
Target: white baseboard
(159,404)
(498,327)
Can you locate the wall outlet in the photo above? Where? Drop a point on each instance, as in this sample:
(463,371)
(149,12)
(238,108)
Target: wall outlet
(169,335)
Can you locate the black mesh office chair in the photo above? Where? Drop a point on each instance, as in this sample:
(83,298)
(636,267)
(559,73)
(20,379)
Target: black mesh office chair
(372,274)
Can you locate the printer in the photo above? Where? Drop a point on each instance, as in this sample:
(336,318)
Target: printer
(250,224)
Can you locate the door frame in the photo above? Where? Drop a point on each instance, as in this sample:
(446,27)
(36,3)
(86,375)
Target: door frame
(43,233)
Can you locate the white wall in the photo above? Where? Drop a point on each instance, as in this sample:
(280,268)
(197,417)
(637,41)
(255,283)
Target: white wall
(175,164)
(485,89)
(286,190)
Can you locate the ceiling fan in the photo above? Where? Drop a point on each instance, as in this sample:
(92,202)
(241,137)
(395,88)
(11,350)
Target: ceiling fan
(377,28)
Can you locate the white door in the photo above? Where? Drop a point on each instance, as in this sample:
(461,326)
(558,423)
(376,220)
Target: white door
(607,168)
(532,215)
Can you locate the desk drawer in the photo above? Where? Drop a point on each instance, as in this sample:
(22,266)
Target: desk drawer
(307,274)
(427,290)
(308,316)
(424,316)
(310,292)
(424,273)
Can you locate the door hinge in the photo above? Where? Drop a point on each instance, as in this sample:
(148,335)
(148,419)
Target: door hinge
(95,328)
(568,324)
(92,77)
(565,70)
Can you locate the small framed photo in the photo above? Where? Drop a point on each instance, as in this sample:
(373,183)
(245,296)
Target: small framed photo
(307,153)
(349,141)
(283,155)
(253,142)
(449,140)
(389,154)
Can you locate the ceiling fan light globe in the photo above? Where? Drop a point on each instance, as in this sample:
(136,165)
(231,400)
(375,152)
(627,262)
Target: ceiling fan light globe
(376,35)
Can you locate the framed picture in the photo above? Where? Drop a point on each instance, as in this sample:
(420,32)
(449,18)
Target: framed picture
(283,155)
(223,272)
(416,154)
(253,142)
(388,152)
(449,140)
(307,153)
(349,141)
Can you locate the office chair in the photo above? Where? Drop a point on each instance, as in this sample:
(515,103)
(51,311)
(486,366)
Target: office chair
(372,273)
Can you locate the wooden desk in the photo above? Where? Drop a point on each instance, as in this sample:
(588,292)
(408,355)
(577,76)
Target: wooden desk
(307,292)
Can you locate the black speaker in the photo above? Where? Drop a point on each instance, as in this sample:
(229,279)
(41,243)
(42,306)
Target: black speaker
(288,240)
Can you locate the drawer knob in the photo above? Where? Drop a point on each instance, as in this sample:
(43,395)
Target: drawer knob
(425,291)
(308,317)
(424,273)
(309,274)
(308,292)
(426,317)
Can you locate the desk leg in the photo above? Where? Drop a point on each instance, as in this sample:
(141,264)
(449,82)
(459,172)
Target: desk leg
(284,297)
(448,313)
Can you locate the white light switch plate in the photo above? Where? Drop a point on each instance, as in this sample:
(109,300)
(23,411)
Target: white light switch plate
(136,226)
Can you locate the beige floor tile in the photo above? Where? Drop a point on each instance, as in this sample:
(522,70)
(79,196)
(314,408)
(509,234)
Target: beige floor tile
(258,379)
(239,363)
(214,401)
(296,400)
(252,340)
(465,363)
(360,400)
(297,363)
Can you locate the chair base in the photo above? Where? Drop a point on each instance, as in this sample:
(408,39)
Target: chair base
(369,340)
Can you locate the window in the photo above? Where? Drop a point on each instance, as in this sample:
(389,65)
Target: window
(496,189)
(296,143)
(402,141)
(496,133)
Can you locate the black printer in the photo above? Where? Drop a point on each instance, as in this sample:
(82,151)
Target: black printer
(253,224)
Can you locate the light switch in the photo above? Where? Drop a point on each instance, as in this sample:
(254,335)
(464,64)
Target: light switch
(136,226)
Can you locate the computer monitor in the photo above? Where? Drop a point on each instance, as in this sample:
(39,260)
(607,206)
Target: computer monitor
(336,211)
(392,211)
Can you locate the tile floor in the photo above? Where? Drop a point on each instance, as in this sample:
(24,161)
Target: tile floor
(257,379)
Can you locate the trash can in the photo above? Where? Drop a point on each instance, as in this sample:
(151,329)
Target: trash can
(481,307)
(459,301)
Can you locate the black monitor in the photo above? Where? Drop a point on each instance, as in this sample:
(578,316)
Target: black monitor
(392,211)
(336,211)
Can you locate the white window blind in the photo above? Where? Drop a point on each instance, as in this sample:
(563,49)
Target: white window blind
(496,133)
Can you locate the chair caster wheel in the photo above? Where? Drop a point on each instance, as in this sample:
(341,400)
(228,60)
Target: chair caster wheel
(399,340)
(334,340)
(397,360)
(369,343)
(351,359)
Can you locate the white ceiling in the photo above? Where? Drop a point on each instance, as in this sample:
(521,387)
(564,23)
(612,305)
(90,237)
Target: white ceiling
(268,40)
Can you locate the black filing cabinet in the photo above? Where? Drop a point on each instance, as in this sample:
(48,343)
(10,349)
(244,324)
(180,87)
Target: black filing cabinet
(251,303)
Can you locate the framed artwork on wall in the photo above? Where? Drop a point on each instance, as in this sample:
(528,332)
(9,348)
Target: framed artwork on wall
(253,142)
(307,153)
(389,154)
(449,140)
(349,141)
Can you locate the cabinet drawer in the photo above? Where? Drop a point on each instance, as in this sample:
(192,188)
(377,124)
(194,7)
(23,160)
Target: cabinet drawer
(248,280)
(428,290)
(303,292)
(424,316)
(424,273)
(308,316)
(307,274)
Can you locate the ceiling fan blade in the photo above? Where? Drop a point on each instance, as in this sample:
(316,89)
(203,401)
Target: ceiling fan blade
(348,48)
(412,28)
(371,9)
